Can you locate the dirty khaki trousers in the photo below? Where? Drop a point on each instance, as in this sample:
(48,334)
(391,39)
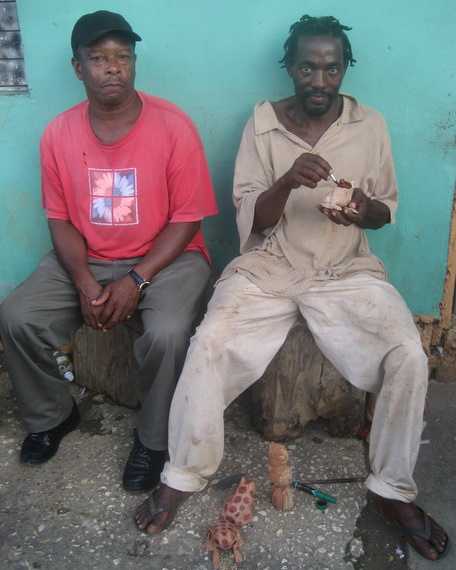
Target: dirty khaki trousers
(44,312)
(363,327)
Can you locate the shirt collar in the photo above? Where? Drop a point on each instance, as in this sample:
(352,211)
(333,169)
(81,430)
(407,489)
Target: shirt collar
(266,119)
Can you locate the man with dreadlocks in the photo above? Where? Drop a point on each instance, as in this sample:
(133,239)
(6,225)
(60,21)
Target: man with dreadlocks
(300,257)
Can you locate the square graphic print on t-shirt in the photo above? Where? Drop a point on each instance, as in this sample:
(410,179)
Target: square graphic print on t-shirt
(113,196)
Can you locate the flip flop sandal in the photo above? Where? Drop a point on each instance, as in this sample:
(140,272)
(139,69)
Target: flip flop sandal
(426,535)
(153,510)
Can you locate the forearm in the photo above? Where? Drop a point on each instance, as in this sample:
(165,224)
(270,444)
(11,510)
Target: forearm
(307,171)
(168,245)
(71,249)
(270,205)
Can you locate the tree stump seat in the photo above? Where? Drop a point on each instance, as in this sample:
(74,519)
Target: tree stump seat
(300,385)
(104,362)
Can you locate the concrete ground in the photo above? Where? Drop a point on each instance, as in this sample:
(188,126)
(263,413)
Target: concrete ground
(72,512)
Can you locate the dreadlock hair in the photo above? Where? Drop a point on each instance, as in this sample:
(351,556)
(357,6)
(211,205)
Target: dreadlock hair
(310,26)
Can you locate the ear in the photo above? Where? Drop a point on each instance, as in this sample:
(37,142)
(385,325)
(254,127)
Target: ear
(77,68)
(289,70)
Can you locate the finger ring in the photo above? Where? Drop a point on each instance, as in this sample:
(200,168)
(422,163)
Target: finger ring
(128,317)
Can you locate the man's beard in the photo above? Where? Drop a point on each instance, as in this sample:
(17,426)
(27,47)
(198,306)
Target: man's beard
(316,110)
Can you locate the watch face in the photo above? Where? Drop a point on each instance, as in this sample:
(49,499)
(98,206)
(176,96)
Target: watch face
(143,285)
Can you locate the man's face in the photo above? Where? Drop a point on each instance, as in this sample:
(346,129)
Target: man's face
(107,69)
(317,72)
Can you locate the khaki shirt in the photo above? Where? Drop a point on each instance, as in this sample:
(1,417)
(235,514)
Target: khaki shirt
(304,248)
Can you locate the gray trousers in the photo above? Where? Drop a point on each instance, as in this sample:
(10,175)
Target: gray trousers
(43,313)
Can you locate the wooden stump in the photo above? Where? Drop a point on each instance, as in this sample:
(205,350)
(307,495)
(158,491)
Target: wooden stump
(104,362)
(300,385)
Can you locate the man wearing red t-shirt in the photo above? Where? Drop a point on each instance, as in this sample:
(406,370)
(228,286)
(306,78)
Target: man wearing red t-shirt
(125,186)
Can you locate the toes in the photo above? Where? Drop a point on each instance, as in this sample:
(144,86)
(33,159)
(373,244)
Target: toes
(439,541)
(152,529)
(160,521)
(431,550)
(435,545)
(431,553)
(142,515)
(422,546)
(438,536)
(152,525)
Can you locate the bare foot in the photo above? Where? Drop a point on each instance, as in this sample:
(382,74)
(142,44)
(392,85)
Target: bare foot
(411,516)
(164,498)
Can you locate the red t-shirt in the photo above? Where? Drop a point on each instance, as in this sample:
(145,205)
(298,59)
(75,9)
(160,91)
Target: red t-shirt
(121,195)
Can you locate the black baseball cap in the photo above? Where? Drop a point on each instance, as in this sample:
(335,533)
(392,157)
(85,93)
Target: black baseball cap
(92,26)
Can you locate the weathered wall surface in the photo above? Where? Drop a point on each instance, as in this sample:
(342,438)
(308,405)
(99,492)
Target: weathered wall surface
(216,60)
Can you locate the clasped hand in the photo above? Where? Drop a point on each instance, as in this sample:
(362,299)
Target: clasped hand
(110,305)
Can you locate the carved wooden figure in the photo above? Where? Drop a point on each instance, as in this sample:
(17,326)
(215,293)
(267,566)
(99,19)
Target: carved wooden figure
(237,511)
(224,535)
(281,476)
(238,508)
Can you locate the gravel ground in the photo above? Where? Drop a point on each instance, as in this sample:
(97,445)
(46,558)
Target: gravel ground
(72,511)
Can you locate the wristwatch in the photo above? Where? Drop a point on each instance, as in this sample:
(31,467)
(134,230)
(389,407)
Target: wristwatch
(140,282)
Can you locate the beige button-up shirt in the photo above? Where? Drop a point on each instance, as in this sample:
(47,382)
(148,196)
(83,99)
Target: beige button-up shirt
(304,248)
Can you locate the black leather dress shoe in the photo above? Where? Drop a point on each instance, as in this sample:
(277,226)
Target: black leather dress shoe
(40,447)
(143,468)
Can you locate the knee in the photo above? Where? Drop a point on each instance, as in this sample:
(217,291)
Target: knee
(412,350)
(172,330)
(12,316)
(409,362)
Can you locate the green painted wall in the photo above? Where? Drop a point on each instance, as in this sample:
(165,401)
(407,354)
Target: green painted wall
(216,59)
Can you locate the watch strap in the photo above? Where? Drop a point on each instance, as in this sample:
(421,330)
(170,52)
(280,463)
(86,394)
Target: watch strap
(140,282)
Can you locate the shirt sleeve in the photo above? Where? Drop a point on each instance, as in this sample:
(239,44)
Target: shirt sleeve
(385,189)
(252,177)
(52,193)
(191,195)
